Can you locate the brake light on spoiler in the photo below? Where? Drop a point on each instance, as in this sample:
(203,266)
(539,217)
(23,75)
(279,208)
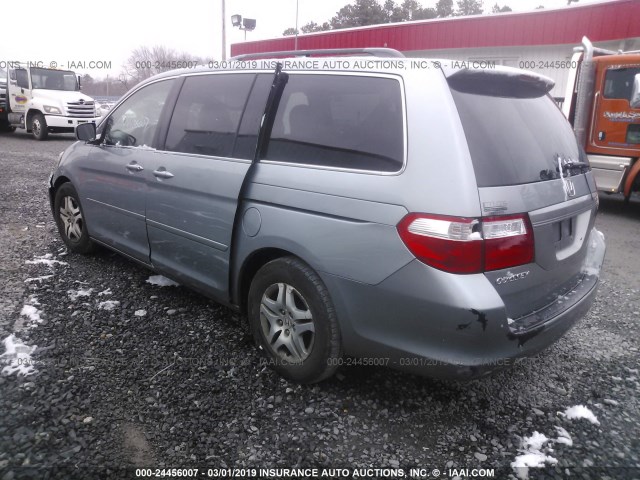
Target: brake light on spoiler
(468,245)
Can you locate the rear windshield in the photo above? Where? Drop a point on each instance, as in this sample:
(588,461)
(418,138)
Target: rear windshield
(515,136)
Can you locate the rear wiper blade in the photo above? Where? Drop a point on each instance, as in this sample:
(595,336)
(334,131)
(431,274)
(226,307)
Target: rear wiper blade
(572,166)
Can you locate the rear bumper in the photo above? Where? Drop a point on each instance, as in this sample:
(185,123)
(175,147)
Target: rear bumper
(450,326)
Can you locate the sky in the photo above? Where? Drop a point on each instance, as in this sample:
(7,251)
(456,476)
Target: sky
(98,37)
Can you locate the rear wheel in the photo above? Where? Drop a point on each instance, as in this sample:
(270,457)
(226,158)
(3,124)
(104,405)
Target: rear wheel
(70,220)
(293,321)
(39,127)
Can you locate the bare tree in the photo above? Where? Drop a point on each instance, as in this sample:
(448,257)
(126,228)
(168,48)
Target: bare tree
(145,62)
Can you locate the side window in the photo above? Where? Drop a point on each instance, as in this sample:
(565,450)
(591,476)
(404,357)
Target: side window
(134,122)
(248,134)
(339,121)
(618,82)
(22,78)
(207,114)
(633,134)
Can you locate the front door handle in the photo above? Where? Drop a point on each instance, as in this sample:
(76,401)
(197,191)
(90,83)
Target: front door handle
(162,173)
(135,167)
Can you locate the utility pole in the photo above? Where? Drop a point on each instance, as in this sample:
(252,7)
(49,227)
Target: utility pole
(296,41)
(224,32)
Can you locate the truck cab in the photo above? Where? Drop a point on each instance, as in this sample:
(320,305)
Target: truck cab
(44,100)
(604,109)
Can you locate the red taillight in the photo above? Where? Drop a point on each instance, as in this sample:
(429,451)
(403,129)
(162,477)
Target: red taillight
(468,245)
(508,241)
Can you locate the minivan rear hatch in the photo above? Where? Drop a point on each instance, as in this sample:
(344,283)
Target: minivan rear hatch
(527,162)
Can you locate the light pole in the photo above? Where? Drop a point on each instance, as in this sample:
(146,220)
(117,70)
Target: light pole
(246,24)
(296,41)
(224,32)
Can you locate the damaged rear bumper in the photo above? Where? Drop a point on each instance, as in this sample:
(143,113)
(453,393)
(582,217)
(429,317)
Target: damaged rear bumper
(452,326)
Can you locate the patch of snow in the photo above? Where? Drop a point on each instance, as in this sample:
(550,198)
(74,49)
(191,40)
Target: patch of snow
(31,312)
(45,260)
(105,292)
(38,279)
(580,411)
(535,441)
(563,437)
(161,281)
(81,292)
(33,300)
(108,305)
(140,313)
(17,357)
(531,455)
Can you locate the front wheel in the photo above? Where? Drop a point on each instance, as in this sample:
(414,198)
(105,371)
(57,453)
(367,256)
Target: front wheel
(39,127)
(70,219)
(293,321)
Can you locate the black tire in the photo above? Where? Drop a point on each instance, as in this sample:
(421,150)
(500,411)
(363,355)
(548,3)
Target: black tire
(39,128)
(70,220)
(318,352)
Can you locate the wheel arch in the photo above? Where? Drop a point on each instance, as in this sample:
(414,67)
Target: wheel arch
(54,188)
(30,113)
(254,262)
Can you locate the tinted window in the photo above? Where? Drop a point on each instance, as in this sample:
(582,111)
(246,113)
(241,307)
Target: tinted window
(515,140)
(134,122)
(248,133)
(618,82)
(207,114)
(339,121)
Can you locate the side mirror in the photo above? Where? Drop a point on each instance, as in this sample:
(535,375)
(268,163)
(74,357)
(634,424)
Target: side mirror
(634,101)
(86,132)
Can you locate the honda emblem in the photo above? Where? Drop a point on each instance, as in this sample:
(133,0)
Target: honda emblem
(569,187)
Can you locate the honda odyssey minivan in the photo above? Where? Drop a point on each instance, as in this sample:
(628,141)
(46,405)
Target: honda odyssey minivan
(439,220)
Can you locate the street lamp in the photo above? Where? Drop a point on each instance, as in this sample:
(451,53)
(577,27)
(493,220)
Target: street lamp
(246,24)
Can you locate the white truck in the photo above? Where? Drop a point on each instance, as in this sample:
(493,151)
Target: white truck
(45,100)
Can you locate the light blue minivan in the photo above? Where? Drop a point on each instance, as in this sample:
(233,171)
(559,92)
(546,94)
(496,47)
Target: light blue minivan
(436,220)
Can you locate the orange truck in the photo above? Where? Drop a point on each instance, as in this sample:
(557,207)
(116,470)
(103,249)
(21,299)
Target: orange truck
(603,105)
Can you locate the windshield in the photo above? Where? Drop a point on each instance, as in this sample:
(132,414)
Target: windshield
(53,79)
(515,139)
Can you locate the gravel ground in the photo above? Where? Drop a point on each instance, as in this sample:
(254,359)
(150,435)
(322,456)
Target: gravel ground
(180,384)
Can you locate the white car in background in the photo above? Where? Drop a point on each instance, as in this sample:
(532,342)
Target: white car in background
(103,108)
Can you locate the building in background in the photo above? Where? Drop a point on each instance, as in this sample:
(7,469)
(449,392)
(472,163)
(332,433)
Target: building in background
(541,40)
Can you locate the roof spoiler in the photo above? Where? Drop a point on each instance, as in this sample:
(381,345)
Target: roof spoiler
(375,52)
(499,82)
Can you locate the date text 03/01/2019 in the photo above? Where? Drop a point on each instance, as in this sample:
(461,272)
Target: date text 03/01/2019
(391,473)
